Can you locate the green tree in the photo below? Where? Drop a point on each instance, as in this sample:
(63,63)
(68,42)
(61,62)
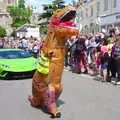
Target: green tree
(59,4)
(2,32)
(20,14)
(21,3)
(49,9)
(43,29)
(74,3)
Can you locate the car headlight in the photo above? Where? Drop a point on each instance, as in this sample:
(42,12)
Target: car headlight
(4,66)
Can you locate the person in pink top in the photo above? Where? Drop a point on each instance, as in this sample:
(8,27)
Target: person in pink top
(104,59)
(104,49)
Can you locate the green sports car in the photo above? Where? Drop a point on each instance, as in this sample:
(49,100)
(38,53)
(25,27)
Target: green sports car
(16,63)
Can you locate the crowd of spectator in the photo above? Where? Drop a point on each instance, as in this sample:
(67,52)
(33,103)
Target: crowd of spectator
(32,45)
(95,54)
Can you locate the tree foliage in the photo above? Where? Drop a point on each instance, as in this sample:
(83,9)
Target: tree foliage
(74,3)
(20,14)
(58,4)
(43,29)
(21,3)
(49,9)
(2,32)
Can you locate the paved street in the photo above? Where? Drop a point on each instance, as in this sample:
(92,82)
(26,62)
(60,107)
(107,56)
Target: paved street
(83,99)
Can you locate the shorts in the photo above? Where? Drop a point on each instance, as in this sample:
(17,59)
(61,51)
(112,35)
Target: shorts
(104,66)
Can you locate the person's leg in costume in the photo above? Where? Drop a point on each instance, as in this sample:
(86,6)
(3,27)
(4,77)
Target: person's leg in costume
(43,94)
(55,74)
(50,101)
(39,87)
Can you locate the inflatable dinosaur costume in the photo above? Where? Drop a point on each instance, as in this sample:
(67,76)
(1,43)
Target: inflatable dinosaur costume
(47,87)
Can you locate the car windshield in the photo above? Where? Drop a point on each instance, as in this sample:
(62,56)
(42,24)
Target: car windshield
(13,54)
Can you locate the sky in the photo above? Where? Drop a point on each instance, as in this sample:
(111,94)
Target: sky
(37,4)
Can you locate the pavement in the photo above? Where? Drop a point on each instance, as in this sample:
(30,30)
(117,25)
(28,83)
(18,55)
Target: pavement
(83,98)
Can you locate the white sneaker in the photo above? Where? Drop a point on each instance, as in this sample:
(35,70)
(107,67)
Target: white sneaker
(118,83)
(113,82)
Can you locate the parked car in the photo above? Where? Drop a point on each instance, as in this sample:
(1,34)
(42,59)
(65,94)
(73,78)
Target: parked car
(16,63)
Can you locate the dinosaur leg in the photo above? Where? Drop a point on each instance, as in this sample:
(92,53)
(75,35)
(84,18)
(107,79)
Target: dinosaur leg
(59,90)
(39,86)
(55,74)
(50,101)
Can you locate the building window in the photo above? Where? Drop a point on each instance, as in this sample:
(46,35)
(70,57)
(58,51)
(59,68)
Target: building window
(0,9)
(92,28)
(91,14)
(86,29)
(9,1)
(81,14)
(86,12)
(5,1)
(97,28)
(105,5)
(114,3)
(98,8)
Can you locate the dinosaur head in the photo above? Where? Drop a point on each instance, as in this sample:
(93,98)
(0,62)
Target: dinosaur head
(62,22)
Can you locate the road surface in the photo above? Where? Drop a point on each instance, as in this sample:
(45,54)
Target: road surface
(82,99)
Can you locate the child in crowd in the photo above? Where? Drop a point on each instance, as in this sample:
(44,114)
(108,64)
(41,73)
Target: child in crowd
(104,62)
